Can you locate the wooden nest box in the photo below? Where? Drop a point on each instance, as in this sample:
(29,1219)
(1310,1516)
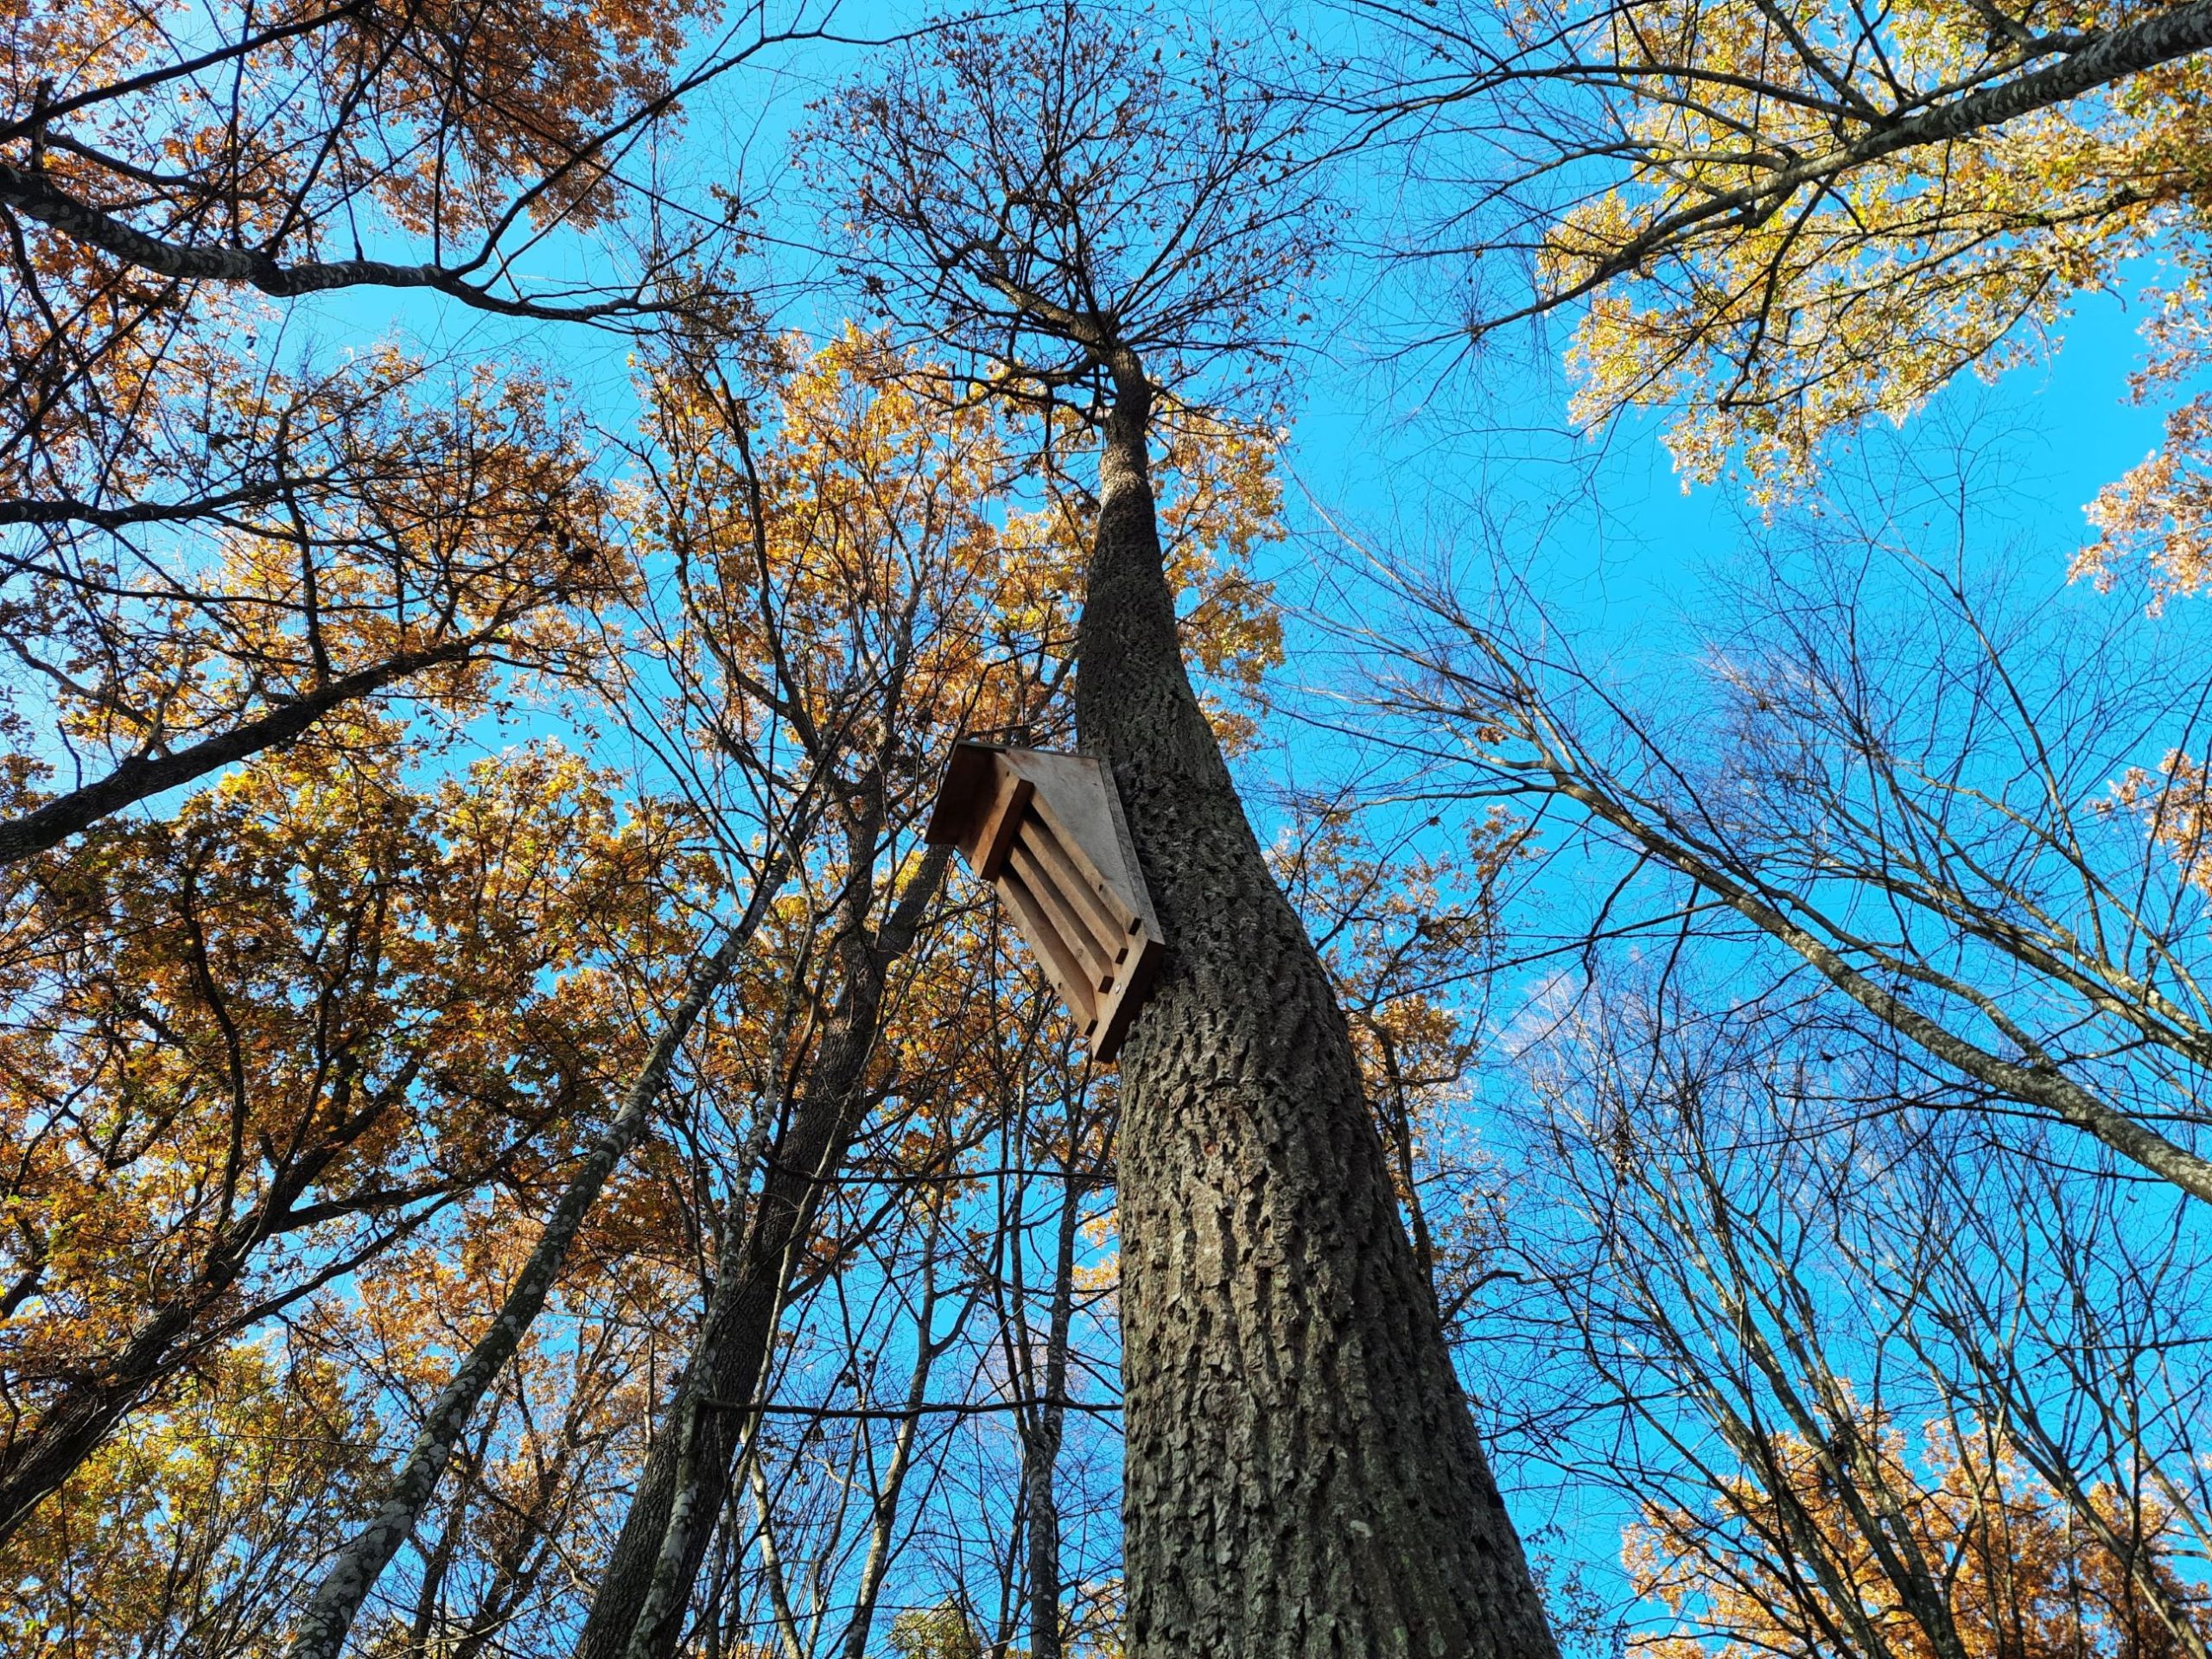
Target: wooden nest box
(1046,832)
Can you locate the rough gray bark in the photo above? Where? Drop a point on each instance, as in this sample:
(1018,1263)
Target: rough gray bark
(346,1585)
(638,1612)
(1303,1475)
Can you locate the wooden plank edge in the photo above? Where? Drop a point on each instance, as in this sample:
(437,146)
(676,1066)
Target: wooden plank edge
(967,770)
(1140,895)
(995,836)
(1128,999)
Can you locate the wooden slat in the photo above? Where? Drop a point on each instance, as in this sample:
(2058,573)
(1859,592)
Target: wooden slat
(1059,963)
(968,773)
(1118,1012)
(1073,926)
(1123,919)
(999,821)
(1105,919)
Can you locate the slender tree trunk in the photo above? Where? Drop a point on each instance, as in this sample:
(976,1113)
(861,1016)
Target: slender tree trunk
(1303,1475)
(429,1596)
(771,1562)
(637,1612)
(344,1586)
(1044,1425)
(884,1516)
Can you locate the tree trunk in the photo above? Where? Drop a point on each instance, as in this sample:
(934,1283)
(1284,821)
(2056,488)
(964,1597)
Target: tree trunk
(1043,1418)
(1040,1457)
(345,1584)
(1303,1475)
(880,1539)
(638,1609)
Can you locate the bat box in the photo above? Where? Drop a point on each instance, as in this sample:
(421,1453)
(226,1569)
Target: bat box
(1046,832)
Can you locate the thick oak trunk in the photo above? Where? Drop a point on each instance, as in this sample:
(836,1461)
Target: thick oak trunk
(1303,1475)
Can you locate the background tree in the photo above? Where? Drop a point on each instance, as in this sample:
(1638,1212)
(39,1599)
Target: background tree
(227,1032)
(260,151)
(215,547)
(1930,795)
(1799,1236)
(364,540)
(842,582)
(2021,1578)
(1817,1309)
(1777,220)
